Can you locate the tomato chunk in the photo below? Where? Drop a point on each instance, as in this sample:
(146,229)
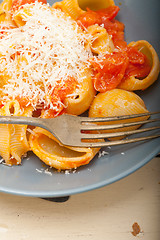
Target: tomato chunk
(23,101)
(139,65)
(60,92)
(105,18)
(138,70)
(116,30)
(1,104)
(89,18)
(108,13)
(135,56)
(109,71)
(97,17)
(63,88)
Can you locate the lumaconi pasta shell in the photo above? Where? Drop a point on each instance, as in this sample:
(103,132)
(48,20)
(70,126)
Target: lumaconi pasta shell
(74,7)
(133,83)
(118,102)
(4,142)
(100,42)
(84,95)
(69,6)
(5,136)
(19,144)
(56,155)
(13,140)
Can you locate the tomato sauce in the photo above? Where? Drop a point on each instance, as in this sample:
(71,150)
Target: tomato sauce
(1,104)
(97,17)
(124,61)
(60,92)
(109,71)
(138,66)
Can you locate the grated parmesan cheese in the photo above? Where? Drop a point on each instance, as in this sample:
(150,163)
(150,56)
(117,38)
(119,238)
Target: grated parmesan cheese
(31,132)
(102,153)
(33,57)
(1,160)
(46,171)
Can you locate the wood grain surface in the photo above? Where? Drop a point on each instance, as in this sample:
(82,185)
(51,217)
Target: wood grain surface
(126,210)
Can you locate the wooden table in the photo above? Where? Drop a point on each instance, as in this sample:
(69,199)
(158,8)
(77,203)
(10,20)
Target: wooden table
(109,213)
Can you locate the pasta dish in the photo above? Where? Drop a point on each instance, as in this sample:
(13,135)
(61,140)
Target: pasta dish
(66,58)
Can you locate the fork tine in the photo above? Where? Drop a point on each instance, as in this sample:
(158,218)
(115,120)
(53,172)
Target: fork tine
(114,118)
(119,142)
(114,126)
(116,134)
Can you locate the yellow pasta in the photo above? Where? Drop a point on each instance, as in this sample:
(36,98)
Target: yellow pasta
(69,6)
(118,102)
(5,16)
(14,143)
(2,17)
(5,6)
(132,83)
(95,5)
(19,144)
(54,154)
(5,142)
(5,137)
(83,96)
(75,7)
(100,42)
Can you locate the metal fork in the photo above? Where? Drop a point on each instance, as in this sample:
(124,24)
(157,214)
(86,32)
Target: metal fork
(78,131)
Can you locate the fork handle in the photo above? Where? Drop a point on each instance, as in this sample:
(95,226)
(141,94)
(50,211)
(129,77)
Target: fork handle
(37,122)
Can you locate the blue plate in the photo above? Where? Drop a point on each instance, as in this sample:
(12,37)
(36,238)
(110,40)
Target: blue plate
(141,19)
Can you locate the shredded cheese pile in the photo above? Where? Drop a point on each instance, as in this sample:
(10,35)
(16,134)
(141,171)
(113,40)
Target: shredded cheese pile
(48,48)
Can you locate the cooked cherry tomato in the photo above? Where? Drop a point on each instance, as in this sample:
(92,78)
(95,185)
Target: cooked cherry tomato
(97,17)
(108,13)
(109,71)
(135,56)
(60,92)
(105,18)
(1,104)
(89,18)
(63,88)
(138,66)
(23,101)
(138,70)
